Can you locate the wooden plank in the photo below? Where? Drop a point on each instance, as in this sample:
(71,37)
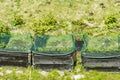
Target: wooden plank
(40,61)
(101,64)
(14,59)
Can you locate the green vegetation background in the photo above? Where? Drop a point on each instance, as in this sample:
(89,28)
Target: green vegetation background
(57,17)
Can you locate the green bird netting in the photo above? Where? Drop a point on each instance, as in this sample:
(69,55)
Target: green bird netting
(53,45)
(15,43)
(101,47)
(4,39)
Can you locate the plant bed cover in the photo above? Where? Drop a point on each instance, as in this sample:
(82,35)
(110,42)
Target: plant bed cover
(53,45)
(102,47)
(17,43)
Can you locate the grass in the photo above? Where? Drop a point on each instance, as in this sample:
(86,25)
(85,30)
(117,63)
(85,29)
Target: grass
(14,73)
(93,13)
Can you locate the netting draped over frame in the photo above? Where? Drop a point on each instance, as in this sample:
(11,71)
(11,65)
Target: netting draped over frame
(15,43)
(101,47)
(53,45)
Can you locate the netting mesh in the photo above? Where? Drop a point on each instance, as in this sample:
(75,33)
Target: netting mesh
(16,43)
(102,47)
(4,38)
(54,45)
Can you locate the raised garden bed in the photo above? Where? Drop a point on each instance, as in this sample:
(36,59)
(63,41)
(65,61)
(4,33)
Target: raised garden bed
(54,62)
(16,51)
(53,51)
(102,61)
(101,53)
